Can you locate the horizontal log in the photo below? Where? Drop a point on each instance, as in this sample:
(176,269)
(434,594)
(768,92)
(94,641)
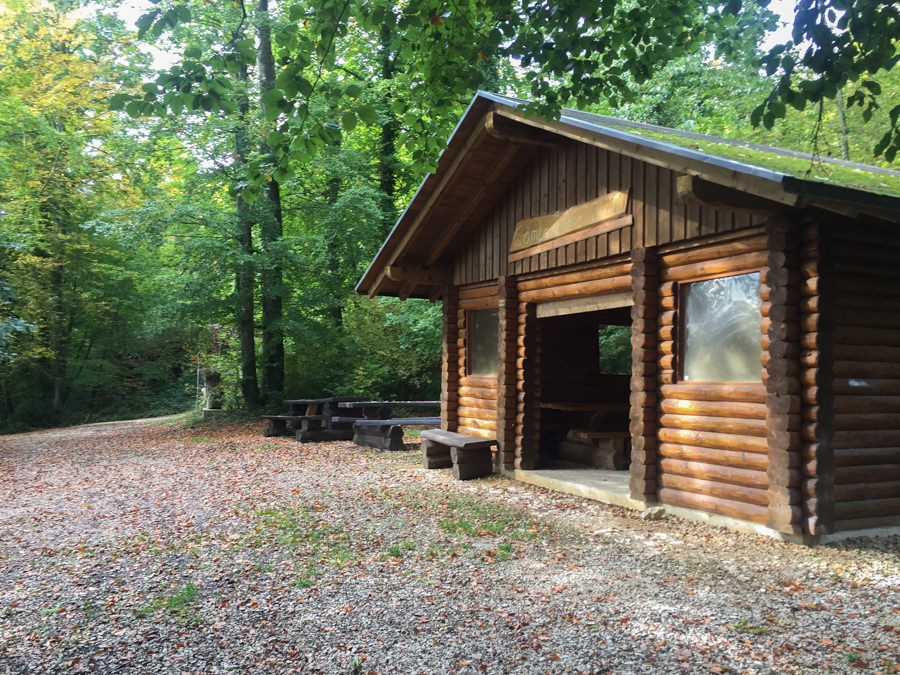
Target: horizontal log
(865,387)
(732,391)
(594,287)
(884,275)
(753,513)
(476,303)
(868,508)
(590,274)
(738,493)
(716,252)
(870,473)
(866,421)
(853,335)
(753,411)
(864,284)
(726,425)
(866,353)
(667,302)
(484,392)
(862,456)
(881,438)
(667,332)
(867,404)
(863,491)
(476,423)
(718,472)
(480,291)
(708,439)
(747,262)
(731,458)
(861,524)
(864,369)
(872,301)
(474,431)
(465,411)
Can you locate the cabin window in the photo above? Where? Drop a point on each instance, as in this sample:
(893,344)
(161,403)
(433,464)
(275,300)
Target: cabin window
(721,333)
(483,350)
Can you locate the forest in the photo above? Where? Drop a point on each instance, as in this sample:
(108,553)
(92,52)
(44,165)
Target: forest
(193,189)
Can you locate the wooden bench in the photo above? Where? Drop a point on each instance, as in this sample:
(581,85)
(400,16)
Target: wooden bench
(277,425)
(470,456)
(387,434)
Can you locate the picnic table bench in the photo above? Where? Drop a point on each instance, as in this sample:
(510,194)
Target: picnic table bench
(469,456)
(374,427)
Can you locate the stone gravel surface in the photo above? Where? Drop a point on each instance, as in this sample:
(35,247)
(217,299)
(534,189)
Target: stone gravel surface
(165,548)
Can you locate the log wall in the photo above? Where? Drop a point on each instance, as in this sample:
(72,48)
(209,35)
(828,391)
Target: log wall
(866,377)
(477,396)
(572,173)
(713,448)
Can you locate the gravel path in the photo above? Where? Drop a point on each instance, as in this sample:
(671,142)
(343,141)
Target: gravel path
(159,548)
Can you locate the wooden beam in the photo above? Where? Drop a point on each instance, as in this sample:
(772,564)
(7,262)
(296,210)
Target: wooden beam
(448,175)
(504,130)
(453,228)
(696,190)
(420,276)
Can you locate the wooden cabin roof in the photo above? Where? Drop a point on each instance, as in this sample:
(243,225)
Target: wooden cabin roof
(495,140)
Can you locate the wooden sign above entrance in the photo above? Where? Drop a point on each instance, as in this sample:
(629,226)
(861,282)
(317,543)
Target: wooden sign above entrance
(534,231)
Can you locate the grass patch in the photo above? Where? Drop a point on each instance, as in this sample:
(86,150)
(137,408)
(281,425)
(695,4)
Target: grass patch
(400,549)
(748,627)
(471,518)
(179,605)
(294,528)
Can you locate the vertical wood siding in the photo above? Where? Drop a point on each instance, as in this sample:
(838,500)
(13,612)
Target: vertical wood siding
(866,264)
(713,450)
(572,173)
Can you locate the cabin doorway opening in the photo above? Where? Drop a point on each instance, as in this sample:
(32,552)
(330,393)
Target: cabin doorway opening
(584,377)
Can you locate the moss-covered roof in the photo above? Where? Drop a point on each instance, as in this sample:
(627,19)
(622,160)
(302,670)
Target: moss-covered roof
(802,166)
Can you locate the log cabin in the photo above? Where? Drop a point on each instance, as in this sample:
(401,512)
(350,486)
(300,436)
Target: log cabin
(753,291)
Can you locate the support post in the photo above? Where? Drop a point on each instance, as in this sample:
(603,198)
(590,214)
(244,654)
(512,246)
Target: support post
(643,424)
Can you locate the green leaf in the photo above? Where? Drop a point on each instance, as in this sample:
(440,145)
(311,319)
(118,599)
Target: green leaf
(348,120)
(118,101)
(353,90)
(367,114)
(272,97)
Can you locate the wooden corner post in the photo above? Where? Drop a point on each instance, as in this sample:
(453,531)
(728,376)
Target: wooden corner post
(781,281)
(643,426)
(507,390)
(528,411)
(817,298)
(450,360)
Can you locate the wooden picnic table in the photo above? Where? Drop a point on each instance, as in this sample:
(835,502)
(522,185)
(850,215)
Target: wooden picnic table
(376,410)
(375,426)
(312,419)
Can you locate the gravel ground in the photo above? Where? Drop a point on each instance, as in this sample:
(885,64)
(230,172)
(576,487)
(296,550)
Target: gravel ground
(160,548)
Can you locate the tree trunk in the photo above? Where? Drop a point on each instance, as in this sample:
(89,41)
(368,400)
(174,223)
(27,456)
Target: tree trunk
(271,275)
(387,166)
(244,277)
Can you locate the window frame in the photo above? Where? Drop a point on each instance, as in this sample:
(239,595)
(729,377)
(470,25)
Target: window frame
(681,325)
(470,328)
